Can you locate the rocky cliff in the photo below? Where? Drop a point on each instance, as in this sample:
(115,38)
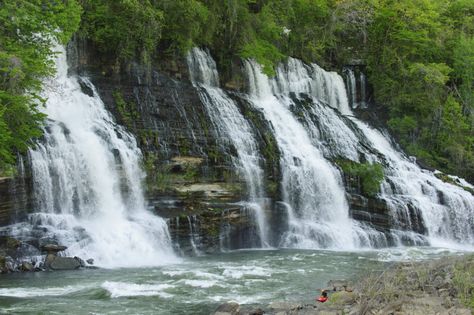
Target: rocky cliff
(190,176)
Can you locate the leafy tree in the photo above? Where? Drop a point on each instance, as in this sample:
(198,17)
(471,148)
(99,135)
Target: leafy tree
(125,29)
(186,24)
(29,30)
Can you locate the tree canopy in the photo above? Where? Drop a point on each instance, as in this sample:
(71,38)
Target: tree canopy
(419,55)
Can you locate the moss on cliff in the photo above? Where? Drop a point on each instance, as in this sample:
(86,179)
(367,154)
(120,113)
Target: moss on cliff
(370,175)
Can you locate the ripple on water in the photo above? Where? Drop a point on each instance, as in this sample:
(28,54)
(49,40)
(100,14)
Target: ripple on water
(38,292)
(126,289)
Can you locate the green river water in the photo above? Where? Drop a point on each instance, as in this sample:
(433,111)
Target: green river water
(196,285)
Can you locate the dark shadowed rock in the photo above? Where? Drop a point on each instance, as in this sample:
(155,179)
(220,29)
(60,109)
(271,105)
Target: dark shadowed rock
(90,261)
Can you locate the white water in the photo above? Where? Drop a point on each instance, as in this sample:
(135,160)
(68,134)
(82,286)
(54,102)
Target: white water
(318,213)
(416,197)
(356,100)
(447,210)
(87,181)
(233,127)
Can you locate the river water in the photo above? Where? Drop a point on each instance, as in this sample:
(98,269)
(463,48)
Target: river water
(196,285)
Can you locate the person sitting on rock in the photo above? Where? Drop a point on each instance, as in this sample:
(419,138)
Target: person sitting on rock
(324,297)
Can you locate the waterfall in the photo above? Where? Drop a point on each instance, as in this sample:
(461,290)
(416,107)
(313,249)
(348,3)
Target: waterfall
(194,235)
(363,90)
(232,126)
(446,211)
(357,97)
(424,209)
(351,87)
(318,212)
(87,181)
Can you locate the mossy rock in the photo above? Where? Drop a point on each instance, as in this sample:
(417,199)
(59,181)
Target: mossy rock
(450,180)
(371,174)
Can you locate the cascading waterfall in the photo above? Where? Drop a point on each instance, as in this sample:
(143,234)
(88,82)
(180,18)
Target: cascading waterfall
(363,90)
(427,210)
(446,211)
(357,97)
(318,213)
(232,126)
(351,87)
(194,236)
(87,181)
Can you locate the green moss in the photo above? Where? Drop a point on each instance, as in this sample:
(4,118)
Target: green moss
(447,179)
(127,111)
(371,175)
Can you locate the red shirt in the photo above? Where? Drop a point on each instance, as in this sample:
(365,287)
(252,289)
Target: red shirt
(322,299)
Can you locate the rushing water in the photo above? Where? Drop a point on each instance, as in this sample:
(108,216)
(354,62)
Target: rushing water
(425,210)
(233,127)
(87,181)
(197,285)
(318,213)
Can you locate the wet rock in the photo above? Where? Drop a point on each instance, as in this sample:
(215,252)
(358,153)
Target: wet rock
(10,265)
(53,248)
(339,285)
(81,261)
(2,264)
(229,308)
(65,263)
(85,88)
(258,311)
(27,267)
(90,261)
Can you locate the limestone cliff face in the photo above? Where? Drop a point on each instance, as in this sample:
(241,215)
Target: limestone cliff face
(190,176)
(15,199)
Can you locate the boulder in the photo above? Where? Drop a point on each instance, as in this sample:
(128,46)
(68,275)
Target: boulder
(90,261)
(229,308)
(81,261)
(27,267)
(257,311)
(53,248)
(338,285)
(65,263)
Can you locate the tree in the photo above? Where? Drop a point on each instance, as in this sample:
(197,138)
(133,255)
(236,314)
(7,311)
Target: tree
(29,30)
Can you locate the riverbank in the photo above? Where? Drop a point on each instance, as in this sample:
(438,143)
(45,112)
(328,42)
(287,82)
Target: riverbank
(442,286)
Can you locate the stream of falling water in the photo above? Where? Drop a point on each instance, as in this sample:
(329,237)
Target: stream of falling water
(87,181)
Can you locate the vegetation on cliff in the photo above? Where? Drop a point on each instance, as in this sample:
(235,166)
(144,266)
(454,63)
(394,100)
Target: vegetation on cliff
(370,175)
(28,29)
(419,55)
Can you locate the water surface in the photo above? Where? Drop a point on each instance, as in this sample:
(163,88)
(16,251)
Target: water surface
(197,285)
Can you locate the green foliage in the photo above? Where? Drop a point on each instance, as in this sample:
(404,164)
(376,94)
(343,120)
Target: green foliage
(371,175)
(421,63)
(125,29)
(419,55)
(264,53)
(186,23)
(127,111)
(29,29)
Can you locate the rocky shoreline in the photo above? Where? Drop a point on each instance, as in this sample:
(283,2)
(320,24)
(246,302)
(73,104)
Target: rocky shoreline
(439,287)
(17,256)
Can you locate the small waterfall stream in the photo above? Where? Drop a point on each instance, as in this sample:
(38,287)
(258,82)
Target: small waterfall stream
(233,127)
(87,181)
